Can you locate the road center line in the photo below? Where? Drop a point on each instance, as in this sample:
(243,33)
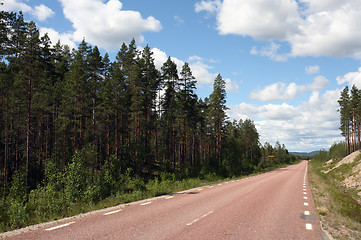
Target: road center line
(250,190)
(60,226)
(196,220)
(109,213)
(146,203)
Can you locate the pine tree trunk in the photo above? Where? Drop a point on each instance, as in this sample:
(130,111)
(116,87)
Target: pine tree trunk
(6,150)
(28,119)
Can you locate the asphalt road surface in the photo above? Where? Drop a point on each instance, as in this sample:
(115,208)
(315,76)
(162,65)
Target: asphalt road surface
(274,205)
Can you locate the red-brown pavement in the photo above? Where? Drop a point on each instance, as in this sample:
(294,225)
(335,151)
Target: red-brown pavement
(267,206)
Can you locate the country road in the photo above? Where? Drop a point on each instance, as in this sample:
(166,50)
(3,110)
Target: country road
(274,205)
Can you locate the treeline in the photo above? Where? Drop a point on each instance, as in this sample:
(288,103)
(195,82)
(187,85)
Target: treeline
(76,126)
(350,118)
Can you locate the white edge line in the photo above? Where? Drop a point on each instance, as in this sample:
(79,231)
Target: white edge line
(109,213)
(146,203)
(60,226)
(169,197)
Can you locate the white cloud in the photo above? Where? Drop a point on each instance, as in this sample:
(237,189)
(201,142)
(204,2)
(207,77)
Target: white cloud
(208,6)
(65,38)
(270,51)
(15,5)
(312,125)
(352,78)
(200,70)
(106,24)
(312,69)
(231,86)
(178,19)
(310,28)
(282,92)
(42,12)
(260,19)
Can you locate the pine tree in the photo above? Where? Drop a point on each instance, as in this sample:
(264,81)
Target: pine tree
(345,118)
(169,106)
(218,113)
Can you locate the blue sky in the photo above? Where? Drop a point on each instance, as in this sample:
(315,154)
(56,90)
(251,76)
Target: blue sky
(284,61)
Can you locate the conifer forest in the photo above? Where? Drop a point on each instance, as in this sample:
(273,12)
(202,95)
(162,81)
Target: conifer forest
(78,127)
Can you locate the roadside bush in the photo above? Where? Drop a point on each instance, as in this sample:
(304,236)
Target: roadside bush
(46,202)
(18,214)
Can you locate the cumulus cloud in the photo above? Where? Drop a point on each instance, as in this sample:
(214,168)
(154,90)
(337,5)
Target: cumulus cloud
(65,38)
(260,19)
(106,24)
(231,86)
(310,28)
(208,6)
(312,69)
(200,70)
(270,51)
(40,12)
(312,125)
(15,5)
(352,78)
(282,92)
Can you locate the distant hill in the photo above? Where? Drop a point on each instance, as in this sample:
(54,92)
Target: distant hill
(308,154)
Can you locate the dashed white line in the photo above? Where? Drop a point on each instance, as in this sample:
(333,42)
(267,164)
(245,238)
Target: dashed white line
(308,226)
(306,204)
(146,203)
(304,193)
(109,213)
(304,197)
(196,220)
(60,226)
(307,213)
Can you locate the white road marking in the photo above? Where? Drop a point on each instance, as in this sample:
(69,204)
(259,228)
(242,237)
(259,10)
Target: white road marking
(146,203)
(304,197)
(250,190)
(169,197)
(307,213)
(219,184)
(305,189)
(200,189)
(109,213)
(308,226)
(304,177)
(306,204)
(210,187)
(304,193)
(60,226)
(196,220)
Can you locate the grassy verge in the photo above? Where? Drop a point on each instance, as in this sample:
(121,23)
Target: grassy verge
(339,210)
